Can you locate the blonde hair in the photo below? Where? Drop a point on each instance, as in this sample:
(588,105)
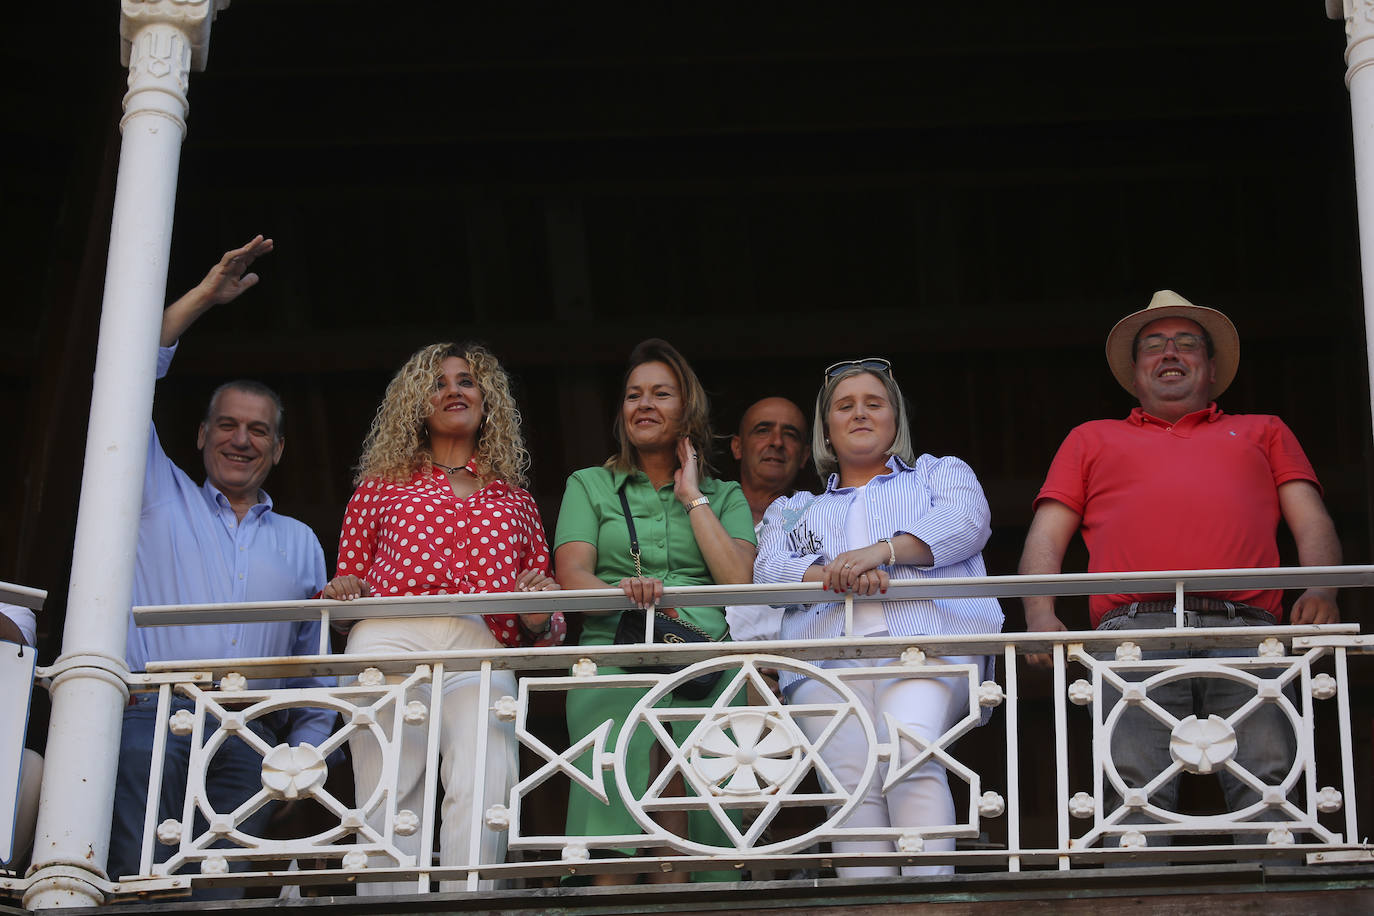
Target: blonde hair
(821,452)
(696,408)
(397,445)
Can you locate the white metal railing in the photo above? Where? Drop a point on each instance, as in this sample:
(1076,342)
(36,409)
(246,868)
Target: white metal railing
(746,758)
(22,595)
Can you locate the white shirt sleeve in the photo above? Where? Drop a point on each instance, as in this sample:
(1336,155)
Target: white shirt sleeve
(24,619)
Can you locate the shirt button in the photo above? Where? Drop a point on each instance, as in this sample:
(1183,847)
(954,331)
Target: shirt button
(240,575)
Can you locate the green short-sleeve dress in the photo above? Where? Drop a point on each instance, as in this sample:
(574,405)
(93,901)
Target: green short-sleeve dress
(668,550)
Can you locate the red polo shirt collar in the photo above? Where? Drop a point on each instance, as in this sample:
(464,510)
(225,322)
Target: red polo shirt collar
(1210,414)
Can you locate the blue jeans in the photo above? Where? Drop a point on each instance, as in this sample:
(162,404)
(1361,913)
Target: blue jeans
(1265,741)
(233,776)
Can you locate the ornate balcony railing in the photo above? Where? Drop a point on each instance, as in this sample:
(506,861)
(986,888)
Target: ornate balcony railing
(750,761)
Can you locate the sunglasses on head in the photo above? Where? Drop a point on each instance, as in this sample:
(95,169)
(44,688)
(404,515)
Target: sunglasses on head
(870,363)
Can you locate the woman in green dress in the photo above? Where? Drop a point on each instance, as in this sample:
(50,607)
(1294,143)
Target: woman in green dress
(692,530)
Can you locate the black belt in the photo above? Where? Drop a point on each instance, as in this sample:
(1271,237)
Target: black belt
(1196,605)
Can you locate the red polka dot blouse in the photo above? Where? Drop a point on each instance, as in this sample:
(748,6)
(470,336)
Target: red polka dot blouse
(420,538)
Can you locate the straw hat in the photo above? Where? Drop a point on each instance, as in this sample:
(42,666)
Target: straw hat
(1168,304)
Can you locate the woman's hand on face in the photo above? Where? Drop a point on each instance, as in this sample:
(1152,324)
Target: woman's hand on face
(644,591)
(857,571)
(346,588)
(532,580)
(687,478)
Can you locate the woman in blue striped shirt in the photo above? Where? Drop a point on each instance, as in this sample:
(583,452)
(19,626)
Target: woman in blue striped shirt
(884,514)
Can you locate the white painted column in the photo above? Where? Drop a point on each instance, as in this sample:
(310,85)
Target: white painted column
(163,40)
(1359,79)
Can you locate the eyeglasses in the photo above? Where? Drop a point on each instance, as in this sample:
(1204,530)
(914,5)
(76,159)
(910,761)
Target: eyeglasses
(1184,342)
(871,363)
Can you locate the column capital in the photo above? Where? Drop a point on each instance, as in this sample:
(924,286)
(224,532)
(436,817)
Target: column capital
(1359,29)
(161,42)
(192,18)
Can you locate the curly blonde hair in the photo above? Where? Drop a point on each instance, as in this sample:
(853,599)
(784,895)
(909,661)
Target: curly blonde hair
(397,445)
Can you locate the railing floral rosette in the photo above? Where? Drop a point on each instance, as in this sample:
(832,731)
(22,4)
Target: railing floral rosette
(747,753)
(746,759)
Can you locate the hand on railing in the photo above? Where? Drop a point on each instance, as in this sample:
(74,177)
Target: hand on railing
(1315,606)
(1040,618)
(645,591)
(857,571)
(532,580)
(346,588)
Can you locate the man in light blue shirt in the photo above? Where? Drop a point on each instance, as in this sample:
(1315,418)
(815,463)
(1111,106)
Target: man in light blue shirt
(217,542)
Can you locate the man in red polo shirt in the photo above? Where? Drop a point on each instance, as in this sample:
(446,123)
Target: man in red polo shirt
(1179,484)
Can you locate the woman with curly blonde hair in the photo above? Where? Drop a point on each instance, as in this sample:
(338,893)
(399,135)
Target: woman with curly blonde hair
(441,509)
(398,444)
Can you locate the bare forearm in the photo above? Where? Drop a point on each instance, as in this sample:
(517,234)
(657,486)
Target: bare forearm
(183,313)
(225,281)
(9,631)
(1035,561)
(730,562)
(1040,615)
(1051,529)
(578,578)
(910,551)
(1319,544)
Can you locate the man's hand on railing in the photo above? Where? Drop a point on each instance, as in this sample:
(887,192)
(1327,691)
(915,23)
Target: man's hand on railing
(1315,606)
(1040,618)
(346,588)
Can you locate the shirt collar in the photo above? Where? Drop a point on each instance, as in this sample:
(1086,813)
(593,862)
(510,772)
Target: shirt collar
(1209,414)
(894,463)
(619,476)
(498,485)
(707,485)
(218,500)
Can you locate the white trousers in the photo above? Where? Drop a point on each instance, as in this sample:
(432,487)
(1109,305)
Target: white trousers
(926,706)
(458,731)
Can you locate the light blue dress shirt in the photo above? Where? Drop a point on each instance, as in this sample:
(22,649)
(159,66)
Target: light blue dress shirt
(939,500)
(192,549)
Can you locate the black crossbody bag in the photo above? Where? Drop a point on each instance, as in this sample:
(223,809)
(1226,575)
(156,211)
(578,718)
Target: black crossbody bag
(667,630)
